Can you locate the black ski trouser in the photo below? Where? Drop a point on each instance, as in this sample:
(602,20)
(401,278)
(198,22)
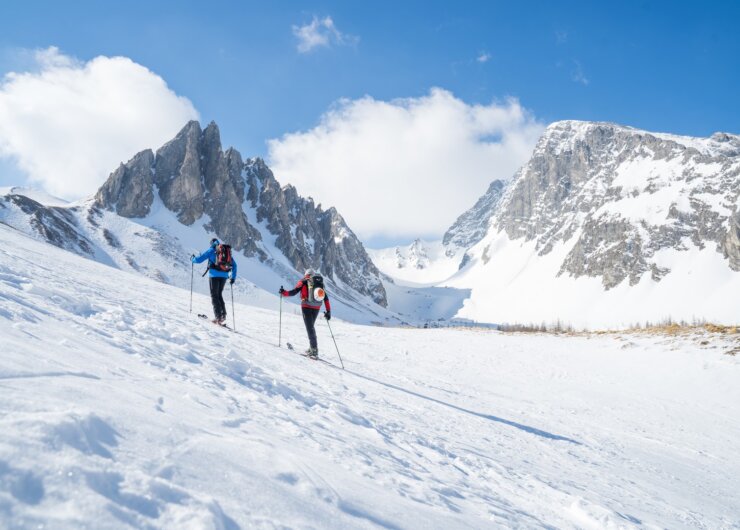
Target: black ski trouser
(217,296)
(309,319)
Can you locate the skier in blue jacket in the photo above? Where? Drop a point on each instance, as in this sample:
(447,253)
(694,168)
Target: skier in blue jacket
(221,267)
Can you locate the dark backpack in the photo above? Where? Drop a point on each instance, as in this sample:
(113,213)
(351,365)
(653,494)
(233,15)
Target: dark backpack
(223,258)
(315,285)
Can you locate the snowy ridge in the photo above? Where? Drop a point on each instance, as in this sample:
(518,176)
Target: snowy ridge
(473,225)
(121,410)
(38,196)
(577,131)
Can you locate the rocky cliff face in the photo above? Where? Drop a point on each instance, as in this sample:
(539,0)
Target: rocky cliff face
(129,187)
(621,196)
(473,225)
(194,177)
(731,244)
(309,236)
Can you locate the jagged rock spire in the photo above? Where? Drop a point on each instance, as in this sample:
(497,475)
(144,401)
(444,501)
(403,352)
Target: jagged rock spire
(195,178)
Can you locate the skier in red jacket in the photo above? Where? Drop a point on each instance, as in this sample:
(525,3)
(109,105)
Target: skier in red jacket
(311,287)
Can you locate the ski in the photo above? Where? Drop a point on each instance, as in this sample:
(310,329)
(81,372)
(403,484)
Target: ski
(319,359)
(302,354)
(307,356)
(225,326)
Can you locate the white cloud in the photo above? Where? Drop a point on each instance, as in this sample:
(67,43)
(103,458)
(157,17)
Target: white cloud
(483,57)
(67,124)
(406,167)
(577,75)
(320,33)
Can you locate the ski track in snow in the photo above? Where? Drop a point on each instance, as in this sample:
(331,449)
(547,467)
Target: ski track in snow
(120,409)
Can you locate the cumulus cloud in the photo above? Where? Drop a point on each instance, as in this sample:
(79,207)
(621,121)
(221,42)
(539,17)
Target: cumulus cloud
(67,123)
(320,33)
(407,167)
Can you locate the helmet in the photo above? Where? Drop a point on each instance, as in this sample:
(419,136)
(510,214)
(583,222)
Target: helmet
(214,241)
(310,272)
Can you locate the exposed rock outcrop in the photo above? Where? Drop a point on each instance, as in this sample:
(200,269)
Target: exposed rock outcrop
(473,225)
(129,188)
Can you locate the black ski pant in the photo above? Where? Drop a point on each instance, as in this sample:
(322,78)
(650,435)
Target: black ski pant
(309,319)
(217,296)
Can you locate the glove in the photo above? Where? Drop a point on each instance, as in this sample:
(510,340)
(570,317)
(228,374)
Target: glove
(231,281)
(192,258)
(327,315)
(281,291)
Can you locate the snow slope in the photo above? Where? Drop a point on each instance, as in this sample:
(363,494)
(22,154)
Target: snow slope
(512,282)
(118,409)
(422,263)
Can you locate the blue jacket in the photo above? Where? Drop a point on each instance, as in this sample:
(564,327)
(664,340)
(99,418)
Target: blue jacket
(210,255)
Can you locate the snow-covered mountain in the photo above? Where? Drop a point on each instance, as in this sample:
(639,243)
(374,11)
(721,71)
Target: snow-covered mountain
(605,225)
(420,263)
(158,208)
(120,410)
(432,262)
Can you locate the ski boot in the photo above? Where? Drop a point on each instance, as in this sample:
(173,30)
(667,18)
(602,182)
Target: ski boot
(312,353)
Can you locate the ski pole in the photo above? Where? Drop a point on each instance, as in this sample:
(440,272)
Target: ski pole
(335,343)
(192,268)
(233,315)
(280,329)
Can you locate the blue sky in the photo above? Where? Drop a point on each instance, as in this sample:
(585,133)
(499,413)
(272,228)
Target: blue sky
(667,66)
(664,66)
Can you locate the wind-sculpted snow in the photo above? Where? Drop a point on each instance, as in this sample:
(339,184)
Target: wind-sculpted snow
(120,409)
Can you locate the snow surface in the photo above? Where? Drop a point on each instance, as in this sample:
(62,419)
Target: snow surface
(514,284)
(422,263)
(415,270)
(119,409)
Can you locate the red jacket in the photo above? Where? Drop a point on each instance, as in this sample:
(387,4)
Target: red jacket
(302,287)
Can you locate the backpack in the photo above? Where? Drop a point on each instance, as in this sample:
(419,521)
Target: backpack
(223,258)
(315,285)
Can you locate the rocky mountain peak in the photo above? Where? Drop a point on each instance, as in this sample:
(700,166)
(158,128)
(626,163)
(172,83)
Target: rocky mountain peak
(194,178)
(128,190)
(624,193)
